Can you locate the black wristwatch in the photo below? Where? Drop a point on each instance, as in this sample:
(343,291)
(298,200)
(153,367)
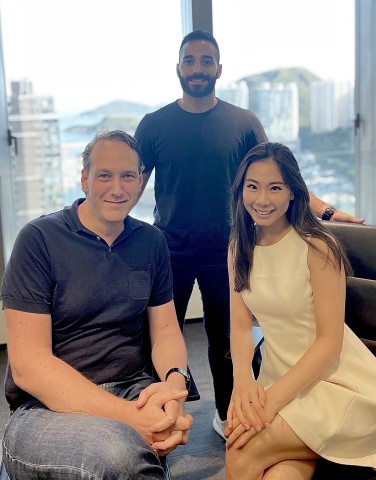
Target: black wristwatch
(182,372)
(327,215)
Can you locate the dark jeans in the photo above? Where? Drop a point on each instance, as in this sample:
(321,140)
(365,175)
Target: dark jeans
(213,284)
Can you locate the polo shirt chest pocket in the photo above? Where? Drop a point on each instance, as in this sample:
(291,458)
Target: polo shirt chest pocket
(139,282)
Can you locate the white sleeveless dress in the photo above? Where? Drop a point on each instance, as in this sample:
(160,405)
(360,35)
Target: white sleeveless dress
(336,415)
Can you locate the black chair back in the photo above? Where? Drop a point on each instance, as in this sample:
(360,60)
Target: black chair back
(359,242)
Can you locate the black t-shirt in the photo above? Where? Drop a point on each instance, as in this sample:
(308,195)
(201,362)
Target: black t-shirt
(96,295)
(196,156)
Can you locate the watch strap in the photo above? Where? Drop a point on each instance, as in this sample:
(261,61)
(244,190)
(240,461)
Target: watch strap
(328,213)
(182,372)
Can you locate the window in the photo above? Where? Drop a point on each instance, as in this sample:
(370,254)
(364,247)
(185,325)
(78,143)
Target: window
(297,61)
(73,68)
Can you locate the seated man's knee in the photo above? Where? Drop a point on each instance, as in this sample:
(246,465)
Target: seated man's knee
(120,453)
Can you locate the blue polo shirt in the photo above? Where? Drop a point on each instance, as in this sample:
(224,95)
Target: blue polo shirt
(96,295)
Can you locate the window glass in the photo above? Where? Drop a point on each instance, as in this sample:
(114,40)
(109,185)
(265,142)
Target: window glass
(292,63)
(73,68)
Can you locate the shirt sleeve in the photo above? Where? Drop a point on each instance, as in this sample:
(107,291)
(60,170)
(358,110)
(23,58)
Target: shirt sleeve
(161,291)
(145,139)
(26,282)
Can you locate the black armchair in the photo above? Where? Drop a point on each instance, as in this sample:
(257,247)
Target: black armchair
(359,242)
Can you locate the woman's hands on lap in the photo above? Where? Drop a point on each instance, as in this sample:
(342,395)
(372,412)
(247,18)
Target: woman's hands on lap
(247,405)
(261,409)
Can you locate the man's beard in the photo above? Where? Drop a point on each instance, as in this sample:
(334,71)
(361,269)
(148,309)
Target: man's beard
(198,90)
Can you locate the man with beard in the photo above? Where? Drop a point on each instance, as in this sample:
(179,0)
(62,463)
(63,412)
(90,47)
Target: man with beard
(196,145)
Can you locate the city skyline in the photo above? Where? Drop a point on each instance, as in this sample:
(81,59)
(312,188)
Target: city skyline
(86,55)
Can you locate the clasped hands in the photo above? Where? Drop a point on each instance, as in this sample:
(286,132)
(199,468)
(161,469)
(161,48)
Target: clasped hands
(164,425)
(250,411)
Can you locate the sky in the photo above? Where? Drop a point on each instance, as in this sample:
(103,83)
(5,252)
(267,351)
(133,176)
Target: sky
(88,52)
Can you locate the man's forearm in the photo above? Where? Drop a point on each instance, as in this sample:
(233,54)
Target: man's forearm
(167,343)
(63,389)
(319,207)
(169,352)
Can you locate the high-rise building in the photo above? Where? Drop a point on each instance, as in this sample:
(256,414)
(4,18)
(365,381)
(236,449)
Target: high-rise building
(236,93)
(36,164)
(277,106)
(332,105)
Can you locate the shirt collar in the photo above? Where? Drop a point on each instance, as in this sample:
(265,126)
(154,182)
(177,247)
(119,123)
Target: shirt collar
(70,216)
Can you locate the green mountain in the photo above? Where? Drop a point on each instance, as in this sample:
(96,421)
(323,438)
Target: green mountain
(124,107)
(301,76)
(118,114)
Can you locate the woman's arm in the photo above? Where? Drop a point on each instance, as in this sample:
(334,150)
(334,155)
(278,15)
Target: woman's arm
(241,339)
(246,390)
(329,292)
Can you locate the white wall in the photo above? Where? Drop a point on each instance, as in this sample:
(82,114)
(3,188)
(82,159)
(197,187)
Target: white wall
(3,336)
(195,304)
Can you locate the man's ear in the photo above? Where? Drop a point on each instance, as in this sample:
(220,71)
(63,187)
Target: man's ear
(219,71)
(177,70)
(84,181)
(141,181)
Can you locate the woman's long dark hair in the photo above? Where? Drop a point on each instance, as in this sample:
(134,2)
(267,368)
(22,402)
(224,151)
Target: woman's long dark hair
(299,214)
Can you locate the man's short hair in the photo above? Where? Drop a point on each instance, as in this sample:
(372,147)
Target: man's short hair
(199,35)
(116,135)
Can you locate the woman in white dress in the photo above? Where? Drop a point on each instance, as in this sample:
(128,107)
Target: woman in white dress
(316,392)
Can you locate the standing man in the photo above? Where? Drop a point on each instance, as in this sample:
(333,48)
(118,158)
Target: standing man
(80,290)
(196,145)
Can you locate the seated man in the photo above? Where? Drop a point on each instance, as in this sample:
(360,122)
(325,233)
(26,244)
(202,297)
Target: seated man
(77,291)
